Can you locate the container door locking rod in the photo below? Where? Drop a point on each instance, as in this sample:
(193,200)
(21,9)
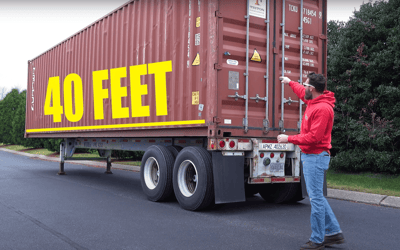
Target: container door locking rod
(301,65)
(284,100)
(281,127)
(266,77)
(266,121)
(246,120)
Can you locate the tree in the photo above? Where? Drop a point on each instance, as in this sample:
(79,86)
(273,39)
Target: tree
(364,73)
(18,122)
(8,108)
(18,126)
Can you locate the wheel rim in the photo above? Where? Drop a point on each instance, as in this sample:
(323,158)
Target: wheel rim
(187,178)
(151,173)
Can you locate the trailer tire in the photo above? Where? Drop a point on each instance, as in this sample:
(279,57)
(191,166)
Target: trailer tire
(251,189)
(156,173)
(298,196)
(174,150)
(279,192)
(193,179)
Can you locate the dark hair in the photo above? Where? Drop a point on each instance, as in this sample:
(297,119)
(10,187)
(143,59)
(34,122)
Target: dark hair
(318,81)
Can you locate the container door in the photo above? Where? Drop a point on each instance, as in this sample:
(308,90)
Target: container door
(244,59)
(260,40)
(302,45)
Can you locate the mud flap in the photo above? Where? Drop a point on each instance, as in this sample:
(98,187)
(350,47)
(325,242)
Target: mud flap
(228,174)
(303,183)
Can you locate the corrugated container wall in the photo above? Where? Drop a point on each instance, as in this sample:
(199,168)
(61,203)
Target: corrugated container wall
(178,68)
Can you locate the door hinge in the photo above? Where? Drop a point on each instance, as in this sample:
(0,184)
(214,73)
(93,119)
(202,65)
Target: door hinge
(276,50)
(217,66)
(218,14)
(322,36)
(216,119)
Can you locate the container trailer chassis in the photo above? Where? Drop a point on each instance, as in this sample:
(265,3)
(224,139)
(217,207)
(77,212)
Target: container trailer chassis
(202,171)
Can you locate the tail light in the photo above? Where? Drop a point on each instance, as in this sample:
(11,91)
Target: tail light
(272,155)
(232,144)
(221,144)
(282,155)
(262,155)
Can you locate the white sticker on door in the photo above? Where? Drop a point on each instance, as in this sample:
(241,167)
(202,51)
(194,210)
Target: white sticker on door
(258,8)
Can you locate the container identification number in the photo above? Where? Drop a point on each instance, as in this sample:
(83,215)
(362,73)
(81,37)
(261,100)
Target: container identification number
(52,105)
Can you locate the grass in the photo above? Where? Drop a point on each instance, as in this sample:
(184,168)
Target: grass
(15,147)
(365,182)
(131,163)
(41,151)
(84,155)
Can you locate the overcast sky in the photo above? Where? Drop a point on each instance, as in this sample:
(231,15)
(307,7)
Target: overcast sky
(29,28)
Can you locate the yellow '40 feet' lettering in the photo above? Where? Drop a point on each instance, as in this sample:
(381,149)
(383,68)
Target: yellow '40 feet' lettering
(53,105)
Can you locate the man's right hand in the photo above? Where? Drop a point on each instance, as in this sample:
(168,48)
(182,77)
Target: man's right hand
(284,79)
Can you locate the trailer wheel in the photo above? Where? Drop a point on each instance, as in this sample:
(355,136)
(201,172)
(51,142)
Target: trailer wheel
(280,192)
(251,189)
(174,150)
(298,196)
(156,173)
(193,179)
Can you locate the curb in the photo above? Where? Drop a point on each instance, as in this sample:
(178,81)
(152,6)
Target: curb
(366,198)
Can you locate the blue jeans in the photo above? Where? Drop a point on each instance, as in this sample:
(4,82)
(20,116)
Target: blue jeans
(323,220)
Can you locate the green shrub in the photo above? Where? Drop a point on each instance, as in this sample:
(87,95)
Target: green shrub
(132,155)
(52,144)
(8,109)
(364,74)
(358,160)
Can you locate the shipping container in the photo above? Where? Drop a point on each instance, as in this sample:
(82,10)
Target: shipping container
(184,75)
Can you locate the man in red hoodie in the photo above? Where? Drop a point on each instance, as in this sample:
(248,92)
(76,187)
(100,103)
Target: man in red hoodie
(314,141)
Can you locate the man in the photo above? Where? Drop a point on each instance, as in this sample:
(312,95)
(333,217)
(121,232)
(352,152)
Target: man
(314,141)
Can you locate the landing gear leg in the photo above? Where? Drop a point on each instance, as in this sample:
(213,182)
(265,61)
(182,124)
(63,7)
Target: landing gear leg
(108,154)
(62,155)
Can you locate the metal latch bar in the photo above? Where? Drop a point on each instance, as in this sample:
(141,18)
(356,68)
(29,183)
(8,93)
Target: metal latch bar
(257,98)
(237,96)
(289,101)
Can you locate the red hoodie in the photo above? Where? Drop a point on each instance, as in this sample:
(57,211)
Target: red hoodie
(316,127)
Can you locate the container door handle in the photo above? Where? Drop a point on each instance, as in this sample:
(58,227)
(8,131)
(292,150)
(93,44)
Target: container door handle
(257,98)
(237,96)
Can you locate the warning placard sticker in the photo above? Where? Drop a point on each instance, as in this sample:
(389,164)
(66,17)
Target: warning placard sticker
(196,61)
(256,56)
(258,8)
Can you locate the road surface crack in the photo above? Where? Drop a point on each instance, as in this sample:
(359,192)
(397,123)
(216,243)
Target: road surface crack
(46,228)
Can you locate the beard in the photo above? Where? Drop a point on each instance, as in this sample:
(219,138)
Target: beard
(308,95)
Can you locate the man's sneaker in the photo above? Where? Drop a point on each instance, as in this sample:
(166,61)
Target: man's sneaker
(312,245)
(334,239)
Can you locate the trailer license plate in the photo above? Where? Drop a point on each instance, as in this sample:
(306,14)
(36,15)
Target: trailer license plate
(277,167)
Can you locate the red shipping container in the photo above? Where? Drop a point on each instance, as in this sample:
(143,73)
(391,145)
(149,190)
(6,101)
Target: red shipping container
(200,68)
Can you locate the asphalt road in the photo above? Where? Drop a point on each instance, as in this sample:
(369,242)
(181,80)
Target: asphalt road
(87,209)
